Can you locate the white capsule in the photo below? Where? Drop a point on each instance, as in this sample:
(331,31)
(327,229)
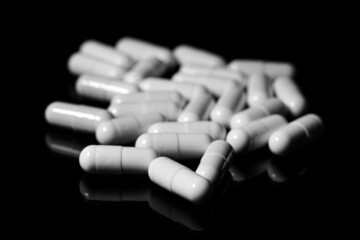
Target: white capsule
(126,129)
(218,72)
(231,101)
(258,89)
(186,54)
(170,110)
(146,67)
(139,49)
(198,108)
(152,96)
(106,53)
(216,161)
(247,67)
(254,135)
(261,110)
(187,90)
(296,134)
(213,129)
(215,85)
(290,94)
(279,69)
(177,146)
(75,116)
(179,180)
(102,88)
(82,64)
(105,159)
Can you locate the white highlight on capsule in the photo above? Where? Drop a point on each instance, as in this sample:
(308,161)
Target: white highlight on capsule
(289,92)
(139,49)
(296,134)
(271,69)
(213,129)
(215,161)
(177,146)
(187,90)
(259,89)
(75,116)
(231,101)
(105,159)
(179,180)
(198,108)
(106,53)
(82,64)
(187,54)
(254,135)
(151,96)
(101,88)
(169,110)
(261,110)
(147,67)
(126,129)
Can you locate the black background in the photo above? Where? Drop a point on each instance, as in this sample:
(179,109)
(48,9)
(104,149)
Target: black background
(41,187)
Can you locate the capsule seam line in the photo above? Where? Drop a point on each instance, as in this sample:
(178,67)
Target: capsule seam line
(172,178)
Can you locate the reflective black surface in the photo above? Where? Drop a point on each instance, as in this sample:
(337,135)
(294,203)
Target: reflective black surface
(263,195)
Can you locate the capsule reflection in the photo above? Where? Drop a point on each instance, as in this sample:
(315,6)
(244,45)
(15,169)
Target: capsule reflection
(282,170)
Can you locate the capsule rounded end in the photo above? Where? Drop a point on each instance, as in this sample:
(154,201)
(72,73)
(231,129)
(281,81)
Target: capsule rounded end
(218,131)
(106,133)
(239,120)
(188,117)
(221,115)
(200,190)
(87,159)
(239,140)
(279,143)
(144,141)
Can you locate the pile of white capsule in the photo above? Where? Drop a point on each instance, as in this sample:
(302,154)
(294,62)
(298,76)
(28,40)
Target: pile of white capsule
(206,110)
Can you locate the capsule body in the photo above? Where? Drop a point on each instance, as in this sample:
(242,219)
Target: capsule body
(106,53)
(152,96)
(139,49)
(126,129)
(147,67)
(287,91)
(75,116)
(213,129)
(255,134)
(198,108)
(215,161)
(101,88)
(261,110)
(187,54)
(82,64)
(296,134)
(177,146)
(105,159)
(179,180)
(187,90)
(169,110)
(259,89)
(232,100)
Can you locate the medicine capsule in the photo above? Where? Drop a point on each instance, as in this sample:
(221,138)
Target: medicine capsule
(218,72)
(261,110)
(177,146)
(296,134)
(187,54)
(82,64)
(198,108)
(187,90)
(105,159)
(170,110)
(258,89)
(290,94)
(106,53)
(213,129)
(101,88)
(75,116)
(179,180)
(214,84)
(126,129)
(246,66)
(139,49)
(231,101)
(254,135)
(151,96)
(279,69)
(146,67)
(215,161)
